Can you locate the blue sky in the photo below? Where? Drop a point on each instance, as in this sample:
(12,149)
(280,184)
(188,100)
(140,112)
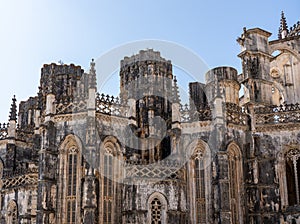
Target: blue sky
(35,32)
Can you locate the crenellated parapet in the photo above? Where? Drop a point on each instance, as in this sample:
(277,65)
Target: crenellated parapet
(143,56)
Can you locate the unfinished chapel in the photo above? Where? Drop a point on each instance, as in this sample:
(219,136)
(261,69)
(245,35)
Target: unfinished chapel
(71,155)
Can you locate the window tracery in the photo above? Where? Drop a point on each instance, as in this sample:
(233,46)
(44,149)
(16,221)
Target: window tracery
(12,213)
(292,175)
(109,166)
(199,180)
(234,176)
(156,211)
(72,170)
(108,188)
(70,174)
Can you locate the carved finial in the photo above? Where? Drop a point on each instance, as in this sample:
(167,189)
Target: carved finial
(92,76)
(294,30)
(13,110)
(92,65)
(283,27)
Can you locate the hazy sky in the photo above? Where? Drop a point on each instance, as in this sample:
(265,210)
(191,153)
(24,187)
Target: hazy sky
(37,32)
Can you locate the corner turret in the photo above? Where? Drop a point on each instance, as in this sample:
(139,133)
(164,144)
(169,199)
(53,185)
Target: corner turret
(256,59)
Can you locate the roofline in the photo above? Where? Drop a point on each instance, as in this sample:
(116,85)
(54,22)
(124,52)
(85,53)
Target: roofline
(260,31)
(283,40)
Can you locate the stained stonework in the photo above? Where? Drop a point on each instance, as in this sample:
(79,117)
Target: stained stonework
(72,155)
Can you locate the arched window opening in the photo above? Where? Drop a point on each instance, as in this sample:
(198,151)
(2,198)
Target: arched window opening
(199,180)
(110,172)
(234,176)
(12,213)
(292,176)
(69,185)
(156,211)
(108,188)
(72,175)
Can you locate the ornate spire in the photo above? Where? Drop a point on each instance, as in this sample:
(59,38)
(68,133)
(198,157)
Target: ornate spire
(92,77)
(283,30)
(13,110)
(176,91)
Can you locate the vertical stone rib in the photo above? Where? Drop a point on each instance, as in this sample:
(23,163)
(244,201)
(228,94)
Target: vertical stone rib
(296,177)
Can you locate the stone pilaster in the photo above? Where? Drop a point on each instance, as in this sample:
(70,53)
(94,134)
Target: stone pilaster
(89,204)
(224,188)
(46,207)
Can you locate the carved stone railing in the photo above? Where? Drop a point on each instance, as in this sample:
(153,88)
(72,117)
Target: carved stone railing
(185,113)
(19,172)
(20,177)
(110,105)
(161,170)
(3,131)
(165,162)
(294,30)
(190,115)
(68,107)
(21,134)
(235,114)
(283,114)
(25,134)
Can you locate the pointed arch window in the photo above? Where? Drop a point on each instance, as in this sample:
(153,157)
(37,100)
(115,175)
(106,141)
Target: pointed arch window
(69,180)
(292,176)
(157,209)
(108,188)
(72,177)
(233,187)
(199,181)
(110,172)
(12,213)
(234,171)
